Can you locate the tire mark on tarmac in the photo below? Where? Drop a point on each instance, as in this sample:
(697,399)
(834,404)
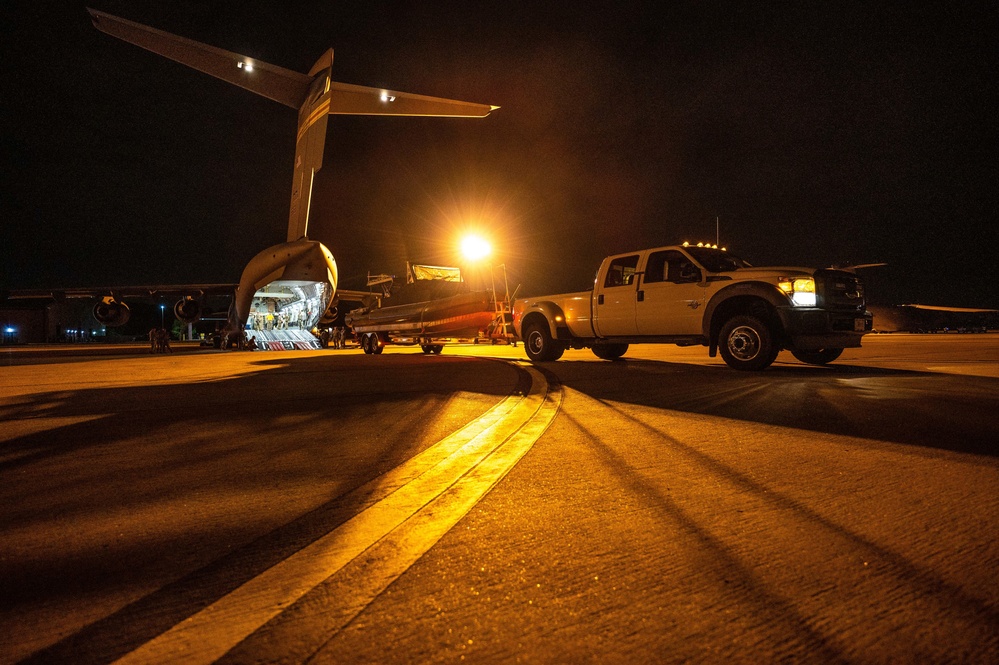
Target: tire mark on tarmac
(422,499)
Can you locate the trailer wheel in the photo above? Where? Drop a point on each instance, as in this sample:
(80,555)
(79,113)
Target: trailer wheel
(609,351)
(747,344)
(369,343)
(437,348)
(818,356)
(427,348)
(539,344)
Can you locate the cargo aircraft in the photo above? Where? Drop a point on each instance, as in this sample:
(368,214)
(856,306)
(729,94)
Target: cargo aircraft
(298,275)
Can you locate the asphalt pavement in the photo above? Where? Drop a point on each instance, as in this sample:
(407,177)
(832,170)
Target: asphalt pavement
(335,507)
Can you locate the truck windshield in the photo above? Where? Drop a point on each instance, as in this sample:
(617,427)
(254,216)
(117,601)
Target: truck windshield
(715,260)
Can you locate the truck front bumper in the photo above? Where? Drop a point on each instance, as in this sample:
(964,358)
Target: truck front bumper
(811,328)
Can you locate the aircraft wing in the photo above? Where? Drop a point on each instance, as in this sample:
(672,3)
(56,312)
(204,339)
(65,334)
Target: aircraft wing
(364,298)
(355,296)
(861,266)
(963,310)
(111,309)
(118,292)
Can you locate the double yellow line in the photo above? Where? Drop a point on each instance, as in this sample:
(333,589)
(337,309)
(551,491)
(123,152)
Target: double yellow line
(411,508)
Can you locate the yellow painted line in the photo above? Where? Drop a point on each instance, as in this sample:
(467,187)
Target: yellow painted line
(459,468)
(393,555)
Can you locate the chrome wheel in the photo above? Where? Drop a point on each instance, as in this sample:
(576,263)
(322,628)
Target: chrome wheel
(747,343)
(744,343)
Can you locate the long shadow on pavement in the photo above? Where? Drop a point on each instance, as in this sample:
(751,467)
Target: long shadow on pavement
(382,413)
(942,411)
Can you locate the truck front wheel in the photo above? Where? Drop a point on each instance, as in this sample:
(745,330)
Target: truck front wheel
(746,343)
(818,356)
(539,344)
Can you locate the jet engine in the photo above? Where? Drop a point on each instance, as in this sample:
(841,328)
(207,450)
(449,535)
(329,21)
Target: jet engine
(111,312)
(187,310)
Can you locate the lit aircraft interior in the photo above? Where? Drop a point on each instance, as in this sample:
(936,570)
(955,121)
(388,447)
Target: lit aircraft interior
(287,309)
(297,278)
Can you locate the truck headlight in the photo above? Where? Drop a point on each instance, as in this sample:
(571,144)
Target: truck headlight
(801,290)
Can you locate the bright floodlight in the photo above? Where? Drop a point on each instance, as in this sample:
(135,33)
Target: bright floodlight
(475,248)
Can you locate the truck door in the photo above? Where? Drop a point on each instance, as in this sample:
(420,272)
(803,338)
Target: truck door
(614,299)
(671,298)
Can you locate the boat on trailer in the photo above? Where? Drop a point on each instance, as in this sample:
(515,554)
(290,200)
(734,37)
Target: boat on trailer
(433,306)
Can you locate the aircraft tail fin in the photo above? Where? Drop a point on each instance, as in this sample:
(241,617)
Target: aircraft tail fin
(309,145)
(327,97)
(282,85)
(315,96)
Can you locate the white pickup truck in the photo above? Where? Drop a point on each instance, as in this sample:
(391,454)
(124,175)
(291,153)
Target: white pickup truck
(700,295)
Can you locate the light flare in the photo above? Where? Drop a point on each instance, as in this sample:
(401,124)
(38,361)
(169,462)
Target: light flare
(475,247)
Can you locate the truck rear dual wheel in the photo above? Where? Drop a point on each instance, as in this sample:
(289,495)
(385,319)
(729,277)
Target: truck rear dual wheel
(747,344)
(817,356)
(610,351)
(539,344)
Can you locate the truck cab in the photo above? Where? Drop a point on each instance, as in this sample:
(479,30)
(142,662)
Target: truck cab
(656,290)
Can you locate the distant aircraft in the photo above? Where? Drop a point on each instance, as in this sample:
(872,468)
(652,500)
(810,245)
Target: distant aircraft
(299,270)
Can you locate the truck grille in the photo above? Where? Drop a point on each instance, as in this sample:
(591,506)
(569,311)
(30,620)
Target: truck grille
(838,290)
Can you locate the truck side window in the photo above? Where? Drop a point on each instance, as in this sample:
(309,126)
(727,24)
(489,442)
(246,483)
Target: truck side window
(621,271)
(655,268)
(680,269)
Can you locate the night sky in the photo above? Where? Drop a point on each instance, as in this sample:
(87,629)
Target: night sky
(821,134)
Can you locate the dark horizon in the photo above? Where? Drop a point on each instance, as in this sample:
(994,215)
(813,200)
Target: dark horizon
(819,136)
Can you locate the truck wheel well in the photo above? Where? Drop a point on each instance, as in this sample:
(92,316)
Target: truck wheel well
(744,305)
(534,317)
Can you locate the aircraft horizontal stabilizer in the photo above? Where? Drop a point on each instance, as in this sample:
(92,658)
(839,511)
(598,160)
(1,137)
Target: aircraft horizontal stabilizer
(348,99)
(282,85)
